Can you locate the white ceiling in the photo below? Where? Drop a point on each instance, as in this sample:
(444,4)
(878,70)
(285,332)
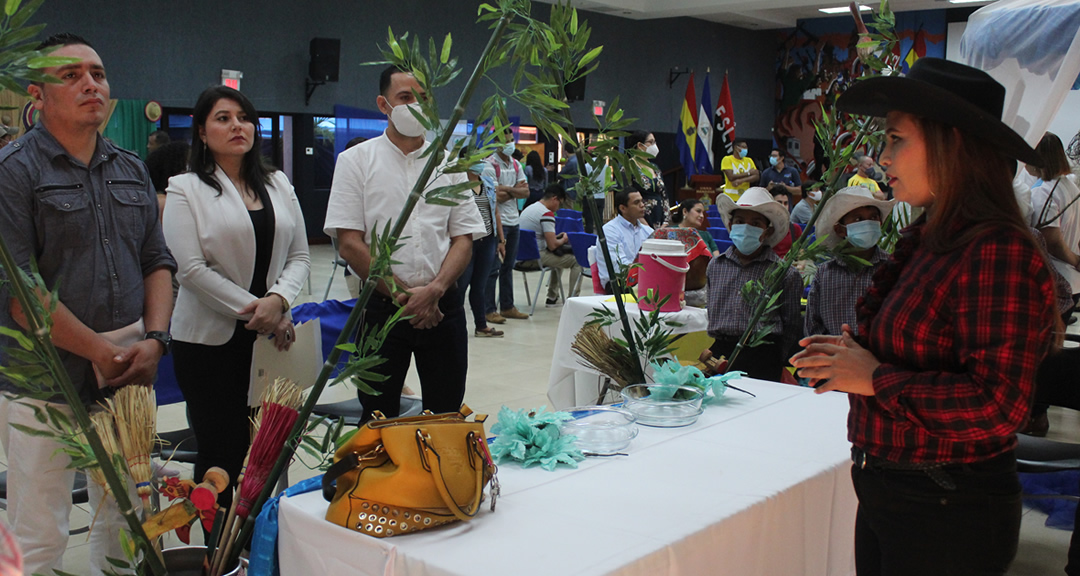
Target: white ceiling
(749,14)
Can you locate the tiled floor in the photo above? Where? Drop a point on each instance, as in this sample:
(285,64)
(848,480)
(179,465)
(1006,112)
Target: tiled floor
(513,371)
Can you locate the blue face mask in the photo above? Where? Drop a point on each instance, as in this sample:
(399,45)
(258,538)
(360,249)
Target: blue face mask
(477,168)
(773,160)
(508,149)
(864,234)
(747,238)
(742,152)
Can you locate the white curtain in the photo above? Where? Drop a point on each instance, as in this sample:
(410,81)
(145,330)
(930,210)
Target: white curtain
(1033,48)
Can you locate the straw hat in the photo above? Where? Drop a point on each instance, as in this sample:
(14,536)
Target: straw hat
(8,130)
(843,202)
(757,199)
(946,92)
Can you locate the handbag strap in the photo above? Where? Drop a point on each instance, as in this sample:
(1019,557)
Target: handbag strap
(422,441)
(350,461)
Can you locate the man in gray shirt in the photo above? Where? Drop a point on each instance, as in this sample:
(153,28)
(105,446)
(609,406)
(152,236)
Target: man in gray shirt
(85,212)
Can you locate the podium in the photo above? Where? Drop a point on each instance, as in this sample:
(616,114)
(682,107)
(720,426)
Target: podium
(703,186)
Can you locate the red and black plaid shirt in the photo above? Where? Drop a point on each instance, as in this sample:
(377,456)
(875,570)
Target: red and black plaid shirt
(959,336)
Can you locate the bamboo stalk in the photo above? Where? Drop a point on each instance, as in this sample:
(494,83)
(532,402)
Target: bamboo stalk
(369,286)
(39,330)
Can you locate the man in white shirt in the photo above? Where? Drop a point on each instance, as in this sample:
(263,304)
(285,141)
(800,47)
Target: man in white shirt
(372,181)
(510,184)
(624,234)
(554,248)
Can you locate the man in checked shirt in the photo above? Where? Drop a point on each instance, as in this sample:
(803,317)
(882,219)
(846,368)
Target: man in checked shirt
(854,216)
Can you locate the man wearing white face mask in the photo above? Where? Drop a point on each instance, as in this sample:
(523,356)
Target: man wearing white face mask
(510,184)
(852,215)
(372,181)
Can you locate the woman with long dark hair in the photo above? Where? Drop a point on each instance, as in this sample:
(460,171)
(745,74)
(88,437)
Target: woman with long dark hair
(236,230)
(942,372)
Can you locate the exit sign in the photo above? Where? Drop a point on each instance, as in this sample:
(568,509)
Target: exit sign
(598,107)
(231,78)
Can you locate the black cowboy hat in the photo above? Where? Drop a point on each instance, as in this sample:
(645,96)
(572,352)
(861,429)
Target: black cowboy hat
(946,92)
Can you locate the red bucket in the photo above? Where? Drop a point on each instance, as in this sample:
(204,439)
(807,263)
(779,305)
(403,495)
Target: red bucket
(663,270)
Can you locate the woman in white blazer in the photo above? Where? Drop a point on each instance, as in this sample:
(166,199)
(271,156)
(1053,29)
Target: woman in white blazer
(238,236)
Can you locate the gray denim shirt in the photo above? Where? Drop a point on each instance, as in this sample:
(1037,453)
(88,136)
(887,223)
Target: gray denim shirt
(93,231)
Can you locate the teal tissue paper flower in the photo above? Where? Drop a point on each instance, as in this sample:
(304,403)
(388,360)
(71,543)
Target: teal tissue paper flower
(533,437)
(671,374)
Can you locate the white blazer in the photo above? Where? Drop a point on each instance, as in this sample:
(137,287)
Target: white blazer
(212,239)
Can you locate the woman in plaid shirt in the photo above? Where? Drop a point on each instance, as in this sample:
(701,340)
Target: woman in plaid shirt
(941,375)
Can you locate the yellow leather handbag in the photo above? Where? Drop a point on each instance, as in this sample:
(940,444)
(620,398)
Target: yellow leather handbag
(401,475)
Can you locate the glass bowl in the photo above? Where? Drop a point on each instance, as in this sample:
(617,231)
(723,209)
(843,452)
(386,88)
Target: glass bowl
(600,429)
(663,406)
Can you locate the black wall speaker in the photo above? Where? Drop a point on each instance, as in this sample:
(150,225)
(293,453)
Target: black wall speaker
(325,53)
(575,90)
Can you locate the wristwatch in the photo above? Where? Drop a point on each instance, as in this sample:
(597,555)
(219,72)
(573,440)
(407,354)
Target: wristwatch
(164,337)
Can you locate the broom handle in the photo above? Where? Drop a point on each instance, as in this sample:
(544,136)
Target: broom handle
(234,532)
(226,534)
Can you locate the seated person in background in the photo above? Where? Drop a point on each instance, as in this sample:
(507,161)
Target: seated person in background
(853,215)
(782,196)
(686,217)
(555,250)
(804,209)
(779,176)
(756,224)
(864,176)
(624,234)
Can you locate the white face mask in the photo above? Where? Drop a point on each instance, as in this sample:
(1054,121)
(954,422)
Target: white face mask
(404,121)
(653,150)
(508,149)
(814,195)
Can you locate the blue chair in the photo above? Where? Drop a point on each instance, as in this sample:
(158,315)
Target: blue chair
(568,213)
(581,242)
(723,245)
(719,234)
(528,260)
(568,225)
(713,211)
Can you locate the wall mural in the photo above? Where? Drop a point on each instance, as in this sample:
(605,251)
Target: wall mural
(816,61)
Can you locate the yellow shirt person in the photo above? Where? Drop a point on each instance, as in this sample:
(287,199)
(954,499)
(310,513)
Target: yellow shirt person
(739,170)
(870,183)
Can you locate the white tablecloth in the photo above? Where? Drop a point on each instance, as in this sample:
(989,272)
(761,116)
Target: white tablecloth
(571,383)
(756,486)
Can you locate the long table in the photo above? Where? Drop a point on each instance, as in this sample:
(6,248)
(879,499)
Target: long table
(570,382)
(756,486)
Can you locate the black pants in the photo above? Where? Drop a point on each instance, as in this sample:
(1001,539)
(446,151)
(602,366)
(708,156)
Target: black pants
(442,358)
(907,524)
(763,362)
(215,381)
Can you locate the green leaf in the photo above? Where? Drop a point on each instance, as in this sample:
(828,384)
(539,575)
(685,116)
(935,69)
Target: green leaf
(11,7)
(21,35)
(573,21)
(445,56)
(9,84)
(33,431)
(485,8)
(589,57)
(24,14)
(50,61)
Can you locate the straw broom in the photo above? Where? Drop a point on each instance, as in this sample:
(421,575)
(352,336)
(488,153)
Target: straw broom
(599,352)
(135,410)
(104,425)
(280,404)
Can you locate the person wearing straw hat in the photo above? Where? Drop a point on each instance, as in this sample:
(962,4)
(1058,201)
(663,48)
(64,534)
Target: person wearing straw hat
(853,216)
(941,374)
(7,134)
(756,223)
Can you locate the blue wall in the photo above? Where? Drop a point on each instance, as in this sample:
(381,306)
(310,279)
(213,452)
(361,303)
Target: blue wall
(170,51)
